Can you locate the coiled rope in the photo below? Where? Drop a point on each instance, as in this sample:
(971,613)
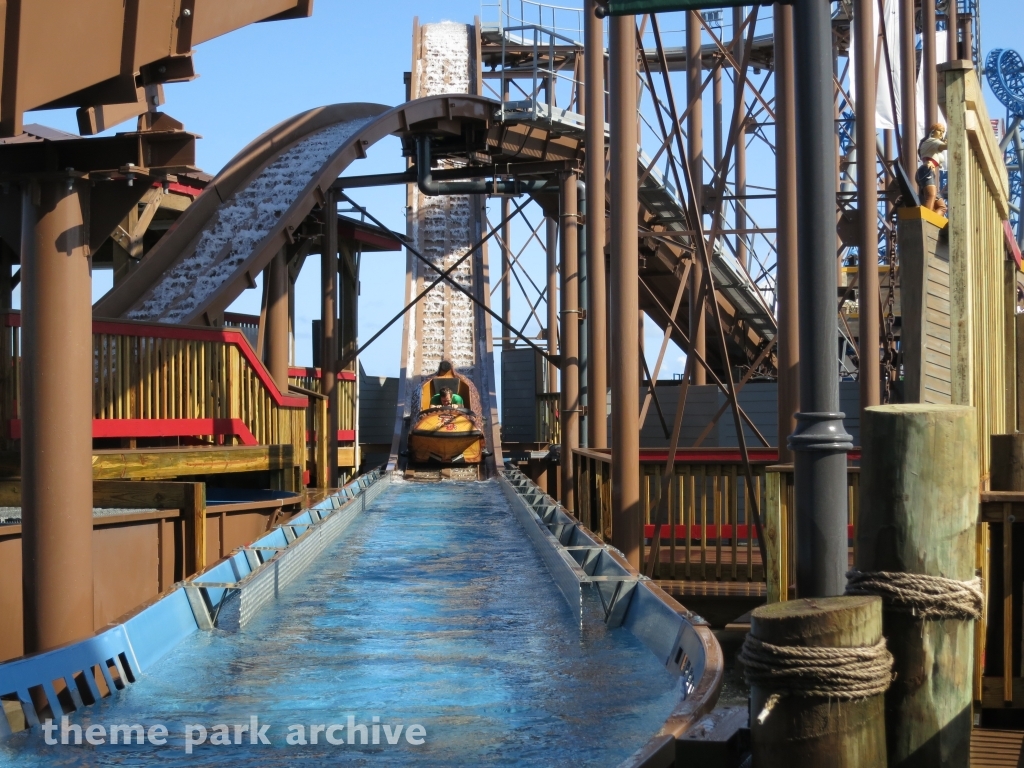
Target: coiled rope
(833,673)
(926,597)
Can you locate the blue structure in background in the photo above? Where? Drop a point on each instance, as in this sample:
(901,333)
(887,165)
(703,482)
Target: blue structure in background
(1004,69)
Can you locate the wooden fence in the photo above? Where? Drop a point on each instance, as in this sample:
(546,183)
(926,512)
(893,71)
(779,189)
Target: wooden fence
(346,397)
(707,534)
(982,283)
(548,428)
(154,381)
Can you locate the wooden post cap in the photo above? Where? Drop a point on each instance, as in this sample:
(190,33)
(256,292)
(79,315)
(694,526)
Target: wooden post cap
(838,622)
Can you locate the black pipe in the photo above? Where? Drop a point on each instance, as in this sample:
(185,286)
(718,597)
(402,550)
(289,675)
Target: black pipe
(430,187)
(820,442)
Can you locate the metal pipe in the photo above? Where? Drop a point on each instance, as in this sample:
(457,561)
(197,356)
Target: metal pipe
(597,297)
(952,31)
(716,116)
(429,186)
(908,87)
(329,331)
(928,70)
(741,145)
(506,271)
(820,441)
(584,341)
(570,324)
(967,44)
(625,264)
(867,201)
(695,159)
(551,333)
(786,234)
(56,412)
(277,320)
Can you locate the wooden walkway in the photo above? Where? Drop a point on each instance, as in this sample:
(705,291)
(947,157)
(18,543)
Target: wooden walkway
(997,749)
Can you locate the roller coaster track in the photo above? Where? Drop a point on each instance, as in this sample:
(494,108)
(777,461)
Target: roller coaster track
(1005,72)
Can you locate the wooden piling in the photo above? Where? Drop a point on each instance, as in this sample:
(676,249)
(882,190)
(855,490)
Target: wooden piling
(811,730)
(918,514)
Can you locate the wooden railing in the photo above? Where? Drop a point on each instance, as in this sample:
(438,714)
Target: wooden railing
(707,534)
(780,528)
(345,393)
(982,282)
(549,428)
(159,381)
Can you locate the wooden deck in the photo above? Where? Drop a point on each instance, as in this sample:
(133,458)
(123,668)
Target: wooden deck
(167,463)
(997,749)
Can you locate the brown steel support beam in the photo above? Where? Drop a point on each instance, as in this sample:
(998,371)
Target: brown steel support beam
(348,306)
(908,87)
(741,143)
(597,296)
(570,332)
(506,271)
(695,160)
(329,331)
(277,319)
(8,258)
(867,201)
(626,523)
(551,334)
(952,32)
(928,70)
(56,412)
(786,237)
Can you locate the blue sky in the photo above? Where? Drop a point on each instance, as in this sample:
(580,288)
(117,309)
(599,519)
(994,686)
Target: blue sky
(358,51)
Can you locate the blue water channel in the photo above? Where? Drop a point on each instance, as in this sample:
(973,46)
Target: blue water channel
(433,609)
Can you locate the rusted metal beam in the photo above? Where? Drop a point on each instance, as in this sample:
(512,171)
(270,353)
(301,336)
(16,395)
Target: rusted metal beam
(626,523)
(329,332)
(867,201)
(596,174)
(56,453)
(123,38)
(570,336)
(786,243)
(695,162)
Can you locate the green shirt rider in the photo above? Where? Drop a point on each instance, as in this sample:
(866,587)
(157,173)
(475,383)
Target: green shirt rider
(446,398)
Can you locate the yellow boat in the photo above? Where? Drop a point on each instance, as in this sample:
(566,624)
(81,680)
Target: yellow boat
(448,434)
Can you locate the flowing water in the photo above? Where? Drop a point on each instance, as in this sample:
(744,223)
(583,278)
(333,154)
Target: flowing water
(433,609)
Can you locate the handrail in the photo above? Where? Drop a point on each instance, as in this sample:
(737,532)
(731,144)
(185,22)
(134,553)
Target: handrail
(708,536)
(235,336)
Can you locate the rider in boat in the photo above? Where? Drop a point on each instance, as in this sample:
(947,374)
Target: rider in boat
(446,398)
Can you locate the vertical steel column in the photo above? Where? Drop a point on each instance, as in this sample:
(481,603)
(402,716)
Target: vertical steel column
(570,386)
(56,412)
(625,302)
(597,297)
(277,320)
(741,145)
(584,287)
(695,159)
(867,203)
(506,274)
(928,70)
(716,117)
(908,87)
(952,31)
(329,331)
(551,243)
(786,237)
(820,441)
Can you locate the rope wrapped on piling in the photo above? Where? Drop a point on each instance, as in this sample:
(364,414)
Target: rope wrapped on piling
(926,597)
(837,673)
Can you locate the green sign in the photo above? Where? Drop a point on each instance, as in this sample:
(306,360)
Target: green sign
(637,7)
